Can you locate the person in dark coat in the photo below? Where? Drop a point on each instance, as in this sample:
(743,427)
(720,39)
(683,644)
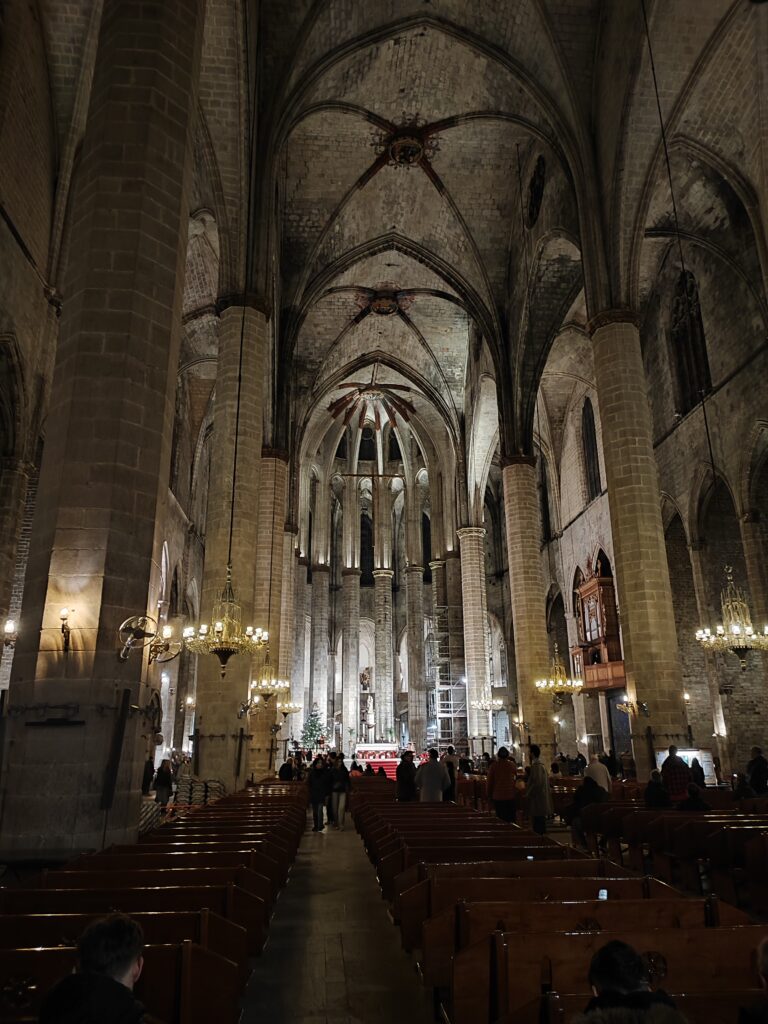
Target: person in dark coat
(622,992)
(757,771)
(743,790)
(164,783)
(405,777)
(340,789)
(319,790)
(656,796)
(589,792)
(286,771)
(380,771)
(369,770)
(693,801)
(697,774)
(109,963)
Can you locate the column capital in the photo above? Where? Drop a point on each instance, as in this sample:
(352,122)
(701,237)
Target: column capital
(517,460)
(383,574)
(320,567)
(436,564)
(238,301)
(303,560)
(465,532)
(351,571)
(607,317)
(414,568)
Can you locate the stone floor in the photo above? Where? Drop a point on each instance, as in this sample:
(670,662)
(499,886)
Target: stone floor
(333,955)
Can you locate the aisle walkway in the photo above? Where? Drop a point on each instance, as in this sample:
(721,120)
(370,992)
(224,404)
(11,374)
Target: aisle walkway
(333,955)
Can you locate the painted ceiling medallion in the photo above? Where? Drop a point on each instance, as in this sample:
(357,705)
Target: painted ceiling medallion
(410,144)
(384,304)
(406,149)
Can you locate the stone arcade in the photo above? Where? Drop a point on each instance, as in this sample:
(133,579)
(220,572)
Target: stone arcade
(415,267)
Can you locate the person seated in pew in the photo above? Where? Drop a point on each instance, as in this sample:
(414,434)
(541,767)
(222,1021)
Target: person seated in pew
(757,1013)
(286,773)
(589,792)
(742,789)
(656,796)
(693,801)
(676,775)
(621,990)
(432,779)
(502,785)
(369,770)
(599,772)
(380,771)
(355,770)
(109,962)
(697,774)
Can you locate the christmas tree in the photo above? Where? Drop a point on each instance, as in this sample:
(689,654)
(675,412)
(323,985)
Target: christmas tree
(313,729)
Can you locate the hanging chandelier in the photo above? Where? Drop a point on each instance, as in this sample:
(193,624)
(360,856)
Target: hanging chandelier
(226,636)
(558,683)
(288,707)
(735,633)
(262,690)
(487,703)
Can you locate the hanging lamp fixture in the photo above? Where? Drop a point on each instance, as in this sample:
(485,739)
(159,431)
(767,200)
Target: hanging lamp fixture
(557,683)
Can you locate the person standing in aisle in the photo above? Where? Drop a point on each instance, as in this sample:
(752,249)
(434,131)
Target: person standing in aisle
(340,786)
(502,786)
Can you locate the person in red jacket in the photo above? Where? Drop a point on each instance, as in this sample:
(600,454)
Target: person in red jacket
(502,776)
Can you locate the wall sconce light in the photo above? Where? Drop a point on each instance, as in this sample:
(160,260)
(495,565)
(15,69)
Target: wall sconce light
(10,634)
(630,708)
(65,629)
(687,697)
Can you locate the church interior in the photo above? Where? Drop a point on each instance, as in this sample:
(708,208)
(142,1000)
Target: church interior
(376,376)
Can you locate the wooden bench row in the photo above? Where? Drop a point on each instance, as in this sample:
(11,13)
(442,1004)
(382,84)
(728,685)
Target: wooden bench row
(203,888)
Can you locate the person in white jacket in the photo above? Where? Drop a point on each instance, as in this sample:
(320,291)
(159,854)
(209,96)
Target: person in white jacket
(432,779)
(599,773)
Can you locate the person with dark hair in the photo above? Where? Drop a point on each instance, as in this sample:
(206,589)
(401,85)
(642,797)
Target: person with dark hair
(164,783)
(589,792)
(502,791)
(405,776)
(149,774)
(538,793)
(622,992)
(697,774)
(656,796)
(380,771)
(109,962)
(451,761)
(286,773)
(693,801)
(319,790)
(340,788)
(676,775)
(369,769)
(432,779)
(757,771)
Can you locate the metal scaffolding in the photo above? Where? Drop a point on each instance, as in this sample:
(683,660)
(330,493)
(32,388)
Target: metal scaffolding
(446,695)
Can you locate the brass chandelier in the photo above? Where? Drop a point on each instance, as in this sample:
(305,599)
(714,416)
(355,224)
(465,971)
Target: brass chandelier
(558,683)
(226,636)
(735,634)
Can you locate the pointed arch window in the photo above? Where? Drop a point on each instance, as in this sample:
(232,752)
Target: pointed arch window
(589,444)
(689,345)
(426,546)
(367,445)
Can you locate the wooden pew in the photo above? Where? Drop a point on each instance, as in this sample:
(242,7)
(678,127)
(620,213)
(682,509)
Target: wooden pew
(431,897)
(279,875)
(203,927)
(230,901)
(395,863)
(525,966)
(469,922)
(416,873)
(180,984)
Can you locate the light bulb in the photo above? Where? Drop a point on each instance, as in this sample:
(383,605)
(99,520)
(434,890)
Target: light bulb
(10,627)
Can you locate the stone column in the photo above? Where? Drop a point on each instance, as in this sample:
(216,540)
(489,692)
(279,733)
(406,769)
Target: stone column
(417,681)
(475,611)
(385,708)
(651,654)
(318,692)
(350,656)
(14,479)
(223,737)
(268,599)
(298,681)
(528,596)
(104,478)
(288,632)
